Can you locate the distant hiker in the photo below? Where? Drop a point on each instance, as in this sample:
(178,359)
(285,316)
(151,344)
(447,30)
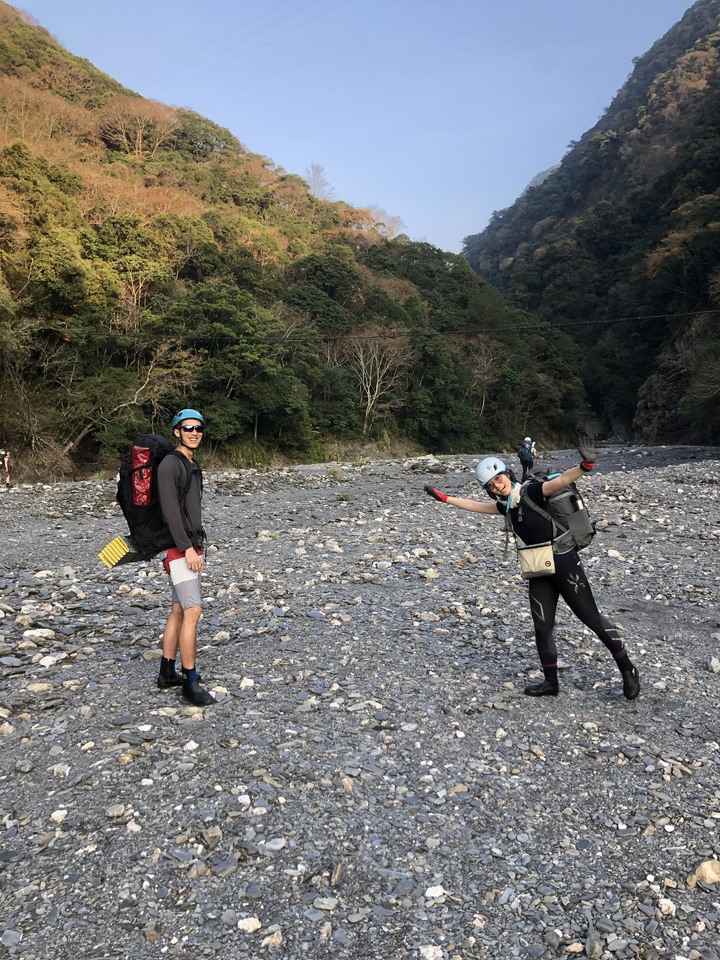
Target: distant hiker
(567,579)
(5,464)
(526,454)
(181,508)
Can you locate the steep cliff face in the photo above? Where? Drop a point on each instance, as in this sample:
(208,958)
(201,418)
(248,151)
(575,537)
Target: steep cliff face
(621,244)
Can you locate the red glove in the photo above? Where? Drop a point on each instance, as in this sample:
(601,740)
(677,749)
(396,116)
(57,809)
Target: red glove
(435,494)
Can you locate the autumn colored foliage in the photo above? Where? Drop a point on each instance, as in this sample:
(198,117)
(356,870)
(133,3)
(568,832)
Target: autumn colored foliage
(150,261)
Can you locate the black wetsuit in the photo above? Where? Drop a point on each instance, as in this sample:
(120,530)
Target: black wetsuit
(569,582)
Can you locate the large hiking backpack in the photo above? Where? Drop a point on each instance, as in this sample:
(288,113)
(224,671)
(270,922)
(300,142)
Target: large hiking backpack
(138,497)
(526,453)
(568,514)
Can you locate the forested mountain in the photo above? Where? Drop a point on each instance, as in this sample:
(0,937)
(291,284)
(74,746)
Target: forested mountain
(149,261)
(620,246)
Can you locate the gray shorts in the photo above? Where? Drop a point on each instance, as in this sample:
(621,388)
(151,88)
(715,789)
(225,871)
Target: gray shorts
(185,583)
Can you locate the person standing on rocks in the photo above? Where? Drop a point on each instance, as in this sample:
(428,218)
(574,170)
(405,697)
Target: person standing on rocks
(568,581)
(181,507)
(526,455)
(5,464)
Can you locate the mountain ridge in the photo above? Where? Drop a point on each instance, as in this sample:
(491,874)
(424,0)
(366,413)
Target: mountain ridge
(150,261)
(626,227)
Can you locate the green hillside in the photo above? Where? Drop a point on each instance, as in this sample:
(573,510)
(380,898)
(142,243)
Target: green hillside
(620,246)
(149,260)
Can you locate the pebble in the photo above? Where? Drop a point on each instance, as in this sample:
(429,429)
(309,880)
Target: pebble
(370,773)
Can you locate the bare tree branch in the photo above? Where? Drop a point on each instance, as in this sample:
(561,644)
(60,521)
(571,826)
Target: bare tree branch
(379,364)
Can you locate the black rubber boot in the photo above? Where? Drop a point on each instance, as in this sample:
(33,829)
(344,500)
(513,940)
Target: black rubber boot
(168,677)
(543,689)
(196,694)
(631,683)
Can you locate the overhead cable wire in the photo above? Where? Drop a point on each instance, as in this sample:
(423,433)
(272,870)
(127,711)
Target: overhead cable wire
(162,70)
(218,65)
(227,340)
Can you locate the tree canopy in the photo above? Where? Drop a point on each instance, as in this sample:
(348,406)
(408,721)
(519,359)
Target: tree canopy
(150,261)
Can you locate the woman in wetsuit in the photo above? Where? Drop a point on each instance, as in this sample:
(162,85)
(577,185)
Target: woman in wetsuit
(568,581)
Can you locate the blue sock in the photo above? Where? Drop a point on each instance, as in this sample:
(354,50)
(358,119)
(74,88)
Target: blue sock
(190,675)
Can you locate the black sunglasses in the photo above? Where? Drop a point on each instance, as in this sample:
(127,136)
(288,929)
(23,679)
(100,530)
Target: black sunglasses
(193,429)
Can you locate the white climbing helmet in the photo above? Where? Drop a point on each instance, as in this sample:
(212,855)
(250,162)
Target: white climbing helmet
(488,468)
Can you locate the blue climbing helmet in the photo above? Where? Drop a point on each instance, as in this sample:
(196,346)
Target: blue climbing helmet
(187,414)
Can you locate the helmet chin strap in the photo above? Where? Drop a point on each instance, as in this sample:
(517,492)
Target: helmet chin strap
(184,446)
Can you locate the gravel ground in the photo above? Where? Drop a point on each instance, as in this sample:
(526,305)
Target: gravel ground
(371,782)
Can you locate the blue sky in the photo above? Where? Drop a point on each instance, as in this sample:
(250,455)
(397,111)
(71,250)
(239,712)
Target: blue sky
(437,111)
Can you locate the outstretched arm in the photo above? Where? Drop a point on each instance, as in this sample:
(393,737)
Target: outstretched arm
(586,449)
(473,505)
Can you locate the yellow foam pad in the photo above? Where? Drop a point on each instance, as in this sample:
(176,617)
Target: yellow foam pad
(113,553)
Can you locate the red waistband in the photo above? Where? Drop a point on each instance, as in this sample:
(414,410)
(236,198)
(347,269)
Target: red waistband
(174,554)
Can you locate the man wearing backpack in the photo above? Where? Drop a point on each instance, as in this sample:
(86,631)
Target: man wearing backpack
(181,509)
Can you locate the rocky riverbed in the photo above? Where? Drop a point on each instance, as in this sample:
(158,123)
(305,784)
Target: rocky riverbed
(371,781)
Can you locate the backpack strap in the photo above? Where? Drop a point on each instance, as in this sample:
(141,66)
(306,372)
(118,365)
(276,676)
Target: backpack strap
(559,530)
(197,536)
(528,502)
(188,470)
(508,530)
